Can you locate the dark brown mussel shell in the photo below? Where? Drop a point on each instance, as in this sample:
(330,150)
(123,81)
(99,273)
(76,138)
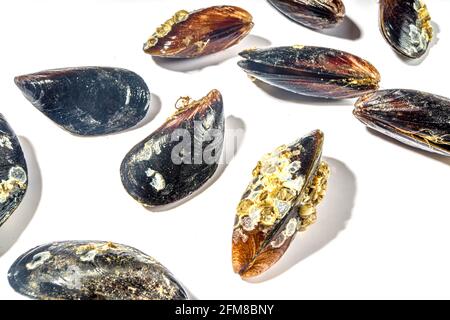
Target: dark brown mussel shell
(406,25)
(179,157)
(92,270)
(416,118)
(199,33)
(281,199)
(312,71)
(315,14)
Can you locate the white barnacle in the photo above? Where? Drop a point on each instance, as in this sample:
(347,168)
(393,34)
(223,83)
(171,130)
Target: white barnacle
(38,260)
(291,227)
(18,174)
(279,241)
(295,184)
(282,207)
(5,142)
(157,179)
(17,178)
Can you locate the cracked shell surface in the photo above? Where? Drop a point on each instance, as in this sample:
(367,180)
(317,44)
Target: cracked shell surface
(179,157)
(286,186)
(92,270)
(416,118)
(406,25)
(13,171)
(312,71)
(88,101)
(199,33)
(315,14)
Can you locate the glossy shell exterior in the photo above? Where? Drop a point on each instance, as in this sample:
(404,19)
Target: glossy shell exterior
(88,101)
(314,14)
(13,172)
(199,33)
(416,118)
(312,71)
(92,270)
(286,186)
(406,25)
(179,157)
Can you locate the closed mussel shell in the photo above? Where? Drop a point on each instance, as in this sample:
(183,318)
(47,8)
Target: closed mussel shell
(199,33)
(92,270)
(13,171)
(286,186)
(88,101)
(179,157)
(312,71)
(315,14)
(416,118)
(406,25)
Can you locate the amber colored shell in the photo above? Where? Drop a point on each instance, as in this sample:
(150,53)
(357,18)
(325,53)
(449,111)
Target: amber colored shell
(199,33)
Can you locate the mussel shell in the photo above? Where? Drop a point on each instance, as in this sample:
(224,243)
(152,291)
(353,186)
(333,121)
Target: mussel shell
(406,26)
(315,14)
(149,172)
(13,171)
(312,71)
(204,32)
(92,270)
(256,246)
(88,101)
(419,119)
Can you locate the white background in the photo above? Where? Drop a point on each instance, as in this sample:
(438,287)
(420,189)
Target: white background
(383,230)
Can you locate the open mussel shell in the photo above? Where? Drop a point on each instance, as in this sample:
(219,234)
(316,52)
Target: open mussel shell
(311,71)
(287,185)
(92,270)
(179,157)
(199,33)
(88,101)
(315,14)
(13,171)
(416,118)
(406,25)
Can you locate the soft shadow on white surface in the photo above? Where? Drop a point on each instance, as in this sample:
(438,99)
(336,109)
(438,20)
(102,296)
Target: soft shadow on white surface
(197,64)
(347,29)
(154,109)
(19,220)
(234,136)
(333,215)
(434,41)
(434,156)
(285,95)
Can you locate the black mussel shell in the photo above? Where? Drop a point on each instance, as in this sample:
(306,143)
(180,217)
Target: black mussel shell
(179,157)
(92,270)
(416,118)
(312,71)
(406,25)
(315,14)
(13,171)
(88,101)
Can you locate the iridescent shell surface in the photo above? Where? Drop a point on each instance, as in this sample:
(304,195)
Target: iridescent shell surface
(416,118)
(312,71)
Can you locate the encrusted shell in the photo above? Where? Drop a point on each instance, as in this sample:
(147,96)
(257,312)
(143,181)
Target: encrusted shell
(286,186)
(92,270)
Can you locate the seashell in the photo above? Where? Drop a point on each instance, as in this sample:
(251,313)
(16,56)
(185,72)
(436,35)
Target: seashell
(179,157)
(199,33)
(312,71)
(88,101)
(13,171)
(406,25)
(416,118)
(281,199)
(92,270)
(314,14)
